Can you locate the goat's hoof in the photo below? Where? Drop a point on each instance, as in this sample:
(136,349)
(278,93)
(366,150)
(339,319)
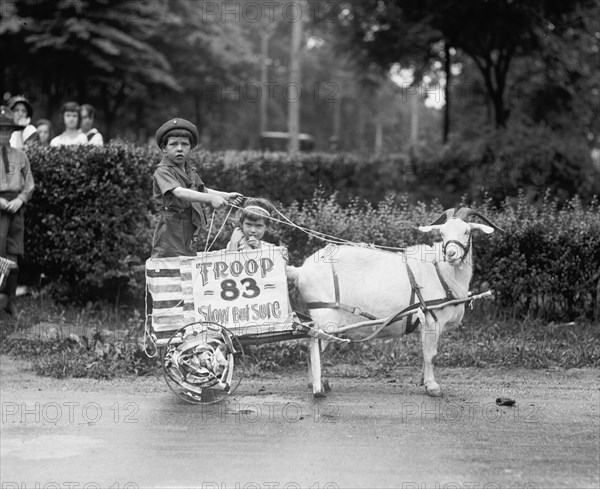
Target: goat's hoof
(326,386)
(433,390)
(319,394)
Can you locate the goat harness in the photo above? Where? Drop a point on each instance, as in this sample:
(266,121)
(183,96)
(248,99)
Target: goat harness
(415,292)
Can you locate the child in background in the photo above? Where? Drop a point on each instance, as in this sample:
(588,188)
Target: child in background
(254,221)
(16,188)
(88,114)
(44,130)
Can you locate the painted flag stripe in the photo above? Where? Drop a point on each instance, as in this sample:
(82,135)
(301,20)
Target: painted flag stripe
(164,288)
(163,272)
(168,304)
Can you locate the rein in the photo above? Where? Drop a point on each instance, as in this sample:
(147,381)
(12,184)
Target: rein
(407,311)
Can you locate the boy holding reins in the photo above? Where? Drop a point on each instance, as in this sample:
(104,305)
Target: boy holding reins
(180,193)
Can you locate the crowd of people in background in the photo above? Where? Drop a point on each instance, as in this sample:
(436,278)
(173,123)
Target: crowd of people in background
(16,179)
(78,122)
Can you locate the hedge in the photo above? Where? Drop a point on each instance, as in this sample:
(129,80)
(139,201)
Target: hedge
(90,222)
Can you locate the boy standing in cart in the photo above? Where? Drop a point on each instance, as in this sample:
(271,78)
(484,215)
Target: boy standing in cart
(16,187)
(180,193)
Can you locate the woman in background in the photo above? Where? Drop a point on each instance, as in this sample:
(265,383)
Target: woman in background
(72,135)
(22,112)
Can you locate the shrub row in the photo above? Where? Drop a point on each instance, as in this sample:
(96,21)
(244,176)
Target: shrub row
(91,220)
(546,264)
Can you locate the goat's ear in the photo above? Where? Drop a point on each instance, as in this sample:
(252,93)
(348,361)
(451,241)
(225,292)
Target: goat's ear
(481,227)
(428,229)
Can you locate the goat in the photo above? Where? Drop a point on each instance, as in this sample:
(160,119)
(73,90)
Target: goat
(371,283)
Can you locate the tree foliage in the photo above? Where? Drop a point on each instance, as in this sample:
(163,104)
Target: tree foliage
(492,33)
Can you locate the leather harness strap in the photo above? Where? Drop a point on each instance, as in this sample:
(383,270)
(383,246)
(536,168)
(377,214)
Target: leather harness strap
(449,294)
(415,291)
(357,311)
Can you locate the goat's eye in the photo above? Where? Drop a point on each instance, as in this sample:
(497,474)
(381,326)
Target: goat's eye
(467,232)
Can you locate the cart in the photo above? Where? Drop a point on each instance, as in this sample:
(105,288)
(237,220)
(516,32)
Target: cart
(207,309)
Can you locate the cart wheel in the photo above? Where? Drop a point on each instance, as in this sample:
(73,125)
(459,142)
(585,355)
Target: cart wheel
(198,363)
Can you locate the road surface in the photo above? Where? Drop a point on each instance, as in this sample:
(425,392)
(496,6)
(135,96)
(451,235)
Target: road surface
(384,432)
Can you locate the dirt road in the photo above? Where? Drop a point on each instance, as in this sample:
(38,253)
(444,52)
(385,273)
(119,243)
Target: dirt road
(133,433)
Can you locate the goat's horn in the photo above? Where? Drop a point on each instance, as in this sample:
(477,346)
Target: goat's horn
(465,212)
(443,218)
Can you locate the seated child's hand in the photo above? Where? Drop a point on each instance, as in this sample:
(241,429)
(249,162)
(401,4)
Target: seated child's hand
(237,235)
(253,242)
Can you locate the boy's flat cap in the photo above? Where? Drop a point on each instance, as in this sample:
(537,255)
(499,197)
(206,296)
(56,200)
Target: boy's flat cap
(177,124)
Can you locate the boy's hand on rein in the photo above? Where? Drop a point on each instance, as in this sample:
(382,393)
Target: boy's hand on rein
(235,198)
(217,201)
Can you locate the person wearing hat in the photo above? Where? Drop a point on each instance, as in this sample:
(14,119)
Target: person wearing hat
(16,188)
(22,113)
(180,193)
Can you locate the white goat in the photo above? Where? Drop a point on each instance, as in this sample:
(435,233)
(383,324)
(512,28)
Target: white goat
(346,284)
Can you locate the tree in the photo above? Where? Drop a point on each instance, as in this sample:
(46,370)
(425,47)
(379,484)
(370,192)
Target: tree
(492,33)
(85,48)
(123,56)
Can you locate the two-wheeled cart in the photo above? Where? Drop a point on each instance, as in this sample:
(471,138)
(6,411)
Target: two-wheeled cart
(207,309)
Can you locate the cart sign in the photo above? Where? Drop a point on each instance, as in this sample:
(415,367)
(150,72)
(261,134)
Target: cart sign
(244,290)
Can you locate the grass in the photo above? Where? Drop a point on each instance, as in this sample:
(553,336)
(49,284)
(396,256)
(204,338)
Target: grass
(100,342)
(96,341)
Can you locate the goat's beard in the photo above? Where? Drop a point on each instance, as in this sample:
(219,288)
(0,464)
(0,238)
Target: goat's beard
(457,261)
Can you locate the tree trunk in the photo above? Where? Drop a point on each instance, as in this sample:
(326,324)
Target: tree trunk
(448,66)
(414,118)
(294,86)
(198,109)
(264,79)
(112,109)
(378,137)
(494,75)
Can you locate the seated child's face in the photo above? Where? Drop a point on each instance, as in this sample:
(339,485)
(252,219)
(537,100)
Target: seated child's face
(254,228)
(177,148)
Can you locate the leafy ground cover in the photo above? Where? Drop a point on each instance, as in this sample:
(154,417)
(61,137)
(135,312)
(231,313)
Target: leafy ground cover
(99,342)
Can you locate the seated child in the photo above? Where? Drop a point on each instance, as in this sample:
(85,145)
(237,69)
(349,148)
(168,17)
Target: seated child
(254,220)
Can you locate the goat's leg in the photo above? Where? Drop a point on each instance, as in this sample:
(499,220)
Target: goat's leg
(430,334)
(314,369)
